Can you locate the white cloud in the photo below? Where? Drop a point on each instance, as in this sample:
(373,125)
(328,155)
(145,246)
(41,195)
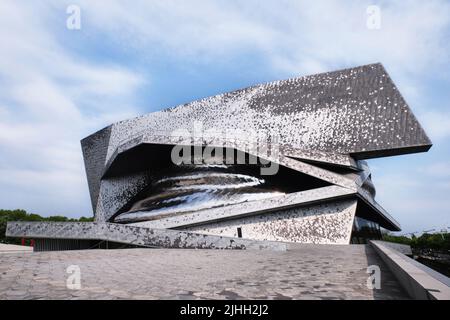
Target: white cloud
(294,35)
(46,94)
(417,196)
(51,96)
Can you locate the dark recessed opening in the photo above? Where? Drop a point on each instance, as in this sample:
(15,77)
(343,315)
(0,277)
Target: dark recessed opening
(178,189)
(364,230)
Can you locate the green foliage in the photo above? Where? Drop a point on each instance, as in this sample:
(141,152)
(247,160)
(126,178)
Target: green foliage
(22,215)
(397,239)
(435,241)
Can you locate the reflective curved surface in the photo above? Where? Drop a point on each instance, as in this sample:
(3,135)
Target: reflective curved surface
(195,187)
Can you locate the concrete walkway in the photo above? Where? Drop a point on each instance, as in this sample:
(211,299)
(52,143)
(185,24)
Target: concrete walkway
(8,248)
(306,272)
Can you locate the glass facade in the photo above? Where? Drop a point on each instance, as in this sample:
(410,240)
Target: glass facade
(364,230)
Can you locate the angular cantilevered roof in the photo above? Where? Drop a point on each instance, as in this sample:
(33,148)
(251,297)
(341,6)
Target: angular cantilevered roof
(338,116)
(356,111)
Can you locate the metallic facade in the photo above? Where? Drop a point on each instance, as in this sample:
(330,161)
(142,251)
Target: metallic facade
(325,125)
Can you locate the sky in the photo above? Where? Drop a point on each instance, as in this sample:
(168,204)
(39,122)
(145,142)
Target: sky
(59,84)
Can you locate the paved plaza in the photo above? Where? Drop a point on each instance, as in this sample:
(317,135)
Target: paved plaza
(14,248)
(303,272)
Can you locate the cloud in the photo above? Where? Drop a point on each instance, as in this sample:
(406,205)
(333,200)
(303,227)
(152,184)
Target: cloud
(416,197)
(57,86)
(46,107)
(293,35)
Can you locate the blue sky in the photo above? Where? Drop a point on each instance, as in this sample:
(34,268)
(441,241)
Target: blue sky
(129,58)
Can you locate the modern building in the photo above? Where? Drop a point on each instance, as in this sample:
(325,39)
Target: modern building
(259,167)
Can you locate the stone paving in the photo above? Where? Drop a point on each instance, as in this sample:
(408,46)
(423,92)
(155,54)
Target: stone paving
(14,248)
(303,272)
